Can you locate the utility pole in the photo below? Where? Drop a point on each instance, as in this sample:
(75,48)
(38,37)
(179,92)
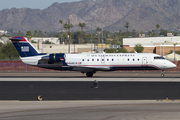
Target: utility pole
(91,38)
(69,34)
(174,51)
(102,41)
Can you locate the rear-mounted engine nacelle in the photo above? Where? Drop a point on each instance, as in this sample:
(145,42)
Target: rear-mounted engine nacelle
(56,57)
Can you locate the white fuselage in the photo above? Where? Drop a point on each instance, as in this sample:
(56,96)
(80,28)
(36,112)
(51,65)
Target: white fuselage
(108,61)
(118,60)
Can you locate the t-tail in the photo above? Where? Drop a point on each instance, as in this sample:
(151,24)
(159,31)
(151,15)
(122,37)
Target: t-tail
(24,47)
(29,55)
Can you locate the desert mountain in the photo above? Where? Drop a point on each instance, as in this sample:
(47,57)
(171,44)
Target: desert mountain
(143,15)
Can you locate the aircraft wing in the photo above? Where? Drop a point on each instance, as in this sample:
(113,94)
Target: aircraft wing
(92,68)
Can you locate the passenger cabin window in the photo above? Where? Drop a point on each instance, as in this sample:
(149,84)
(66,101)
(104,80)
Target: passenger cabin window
(97,59)
(159,58)
(82,59)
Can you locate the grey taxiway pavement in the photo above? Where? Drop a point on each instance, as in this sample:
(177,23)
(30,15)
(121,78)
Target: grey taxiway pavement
(115,74)
(100,76)
(160,109)
(90,110)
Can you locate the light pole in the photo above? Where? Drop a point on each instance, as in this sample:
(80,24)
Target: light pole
(174,50)
(91,38)
(68,45)
(69,35)
(160,47)
(163,47)
(102,41)
(74,41)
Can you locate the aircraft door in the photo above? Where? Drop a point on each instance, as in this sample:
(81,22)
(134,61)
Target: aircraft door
(103,59)
(144,61)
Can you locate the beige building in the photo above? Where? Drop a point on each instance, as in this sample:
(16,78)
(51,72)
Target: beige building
(158,45)
(62,48)
(172,57)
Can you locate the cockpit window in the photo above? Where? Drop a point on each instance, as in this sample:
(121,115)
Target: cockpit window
(159,57)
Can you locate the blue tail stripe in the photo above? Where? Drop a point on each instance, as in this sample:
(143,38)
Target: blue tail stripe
(25,49)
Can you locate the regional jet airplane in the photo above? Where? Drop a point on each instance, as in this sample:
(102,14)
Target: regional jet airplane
(90,63)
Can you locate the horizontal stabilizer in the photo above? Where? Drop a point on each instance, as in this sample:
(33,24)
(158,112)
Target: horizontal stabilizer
(22,39)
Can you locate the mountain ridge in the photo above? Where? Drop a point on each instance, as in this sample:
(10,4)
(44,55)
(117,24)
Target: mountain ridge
(142,15)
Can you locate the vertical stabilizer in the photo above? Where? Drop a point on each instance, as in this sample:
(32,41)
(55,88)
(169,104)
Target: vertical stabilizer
(24,47)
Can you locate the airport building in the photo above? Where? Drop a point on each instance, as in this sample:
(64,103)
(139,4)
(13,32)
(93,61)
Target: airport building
(158,45)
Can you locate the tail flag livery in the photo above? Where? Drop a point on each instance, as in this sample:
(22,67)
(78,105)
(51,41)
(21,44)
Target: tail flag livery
(29,55)
(24,47)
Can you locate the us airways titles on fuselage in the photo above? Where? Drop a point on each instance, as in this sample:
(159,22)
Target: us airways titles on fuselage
(89,63)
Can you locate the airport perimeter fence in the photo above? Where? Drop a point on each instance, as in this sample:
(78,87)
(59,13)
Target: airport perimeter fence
(11,66)
(19,66)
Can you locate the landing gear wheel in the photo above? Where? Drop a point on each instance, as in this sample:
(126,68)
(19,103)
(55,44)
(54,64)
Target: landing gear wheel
(89,74)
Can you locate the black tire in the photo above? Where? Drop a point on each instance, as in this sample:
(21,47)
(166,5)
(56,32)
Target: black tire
(89,74)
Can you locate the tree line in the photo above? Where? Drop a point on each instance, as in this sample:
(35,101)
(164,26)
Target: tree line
(83,37)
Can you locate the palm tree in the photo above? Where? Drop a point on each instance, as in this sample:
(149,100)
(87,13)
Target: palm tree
(66,26)
(19,33)
(61,22)
(40,33)
(98,29)
(126,26)
(133,32)
(120,32)
(78,36)
(35,33)
(29,35)
(157,27)
(115,36)
(150,33)
(82,25)
(45,33)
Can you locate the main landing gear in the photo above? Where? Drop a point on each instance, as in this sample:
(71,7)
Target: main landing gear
(162,73)
(89,74)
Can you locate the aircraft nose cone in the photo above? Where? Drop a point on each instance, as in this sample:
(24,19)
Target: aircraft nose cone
(173,65)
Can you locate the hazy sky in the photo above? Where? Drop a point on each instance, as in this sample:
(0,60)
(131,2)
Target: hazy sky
(40,4)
